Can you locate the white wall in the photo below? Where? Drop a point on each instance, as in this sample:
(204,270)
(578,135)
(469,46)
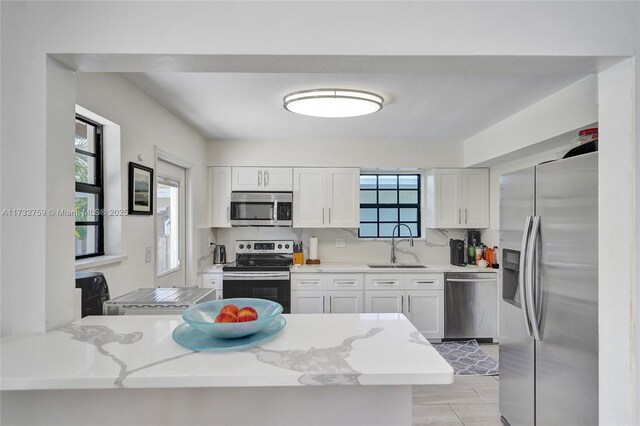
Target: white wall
(30,30)
(143,123)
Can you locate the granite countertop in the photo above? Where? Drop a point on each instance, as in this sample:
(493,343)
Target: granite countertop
(137,351)
(346,267)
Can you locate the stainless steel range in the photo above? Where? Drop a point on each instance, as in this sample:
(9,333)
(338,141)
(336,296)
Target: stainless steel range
(261,270)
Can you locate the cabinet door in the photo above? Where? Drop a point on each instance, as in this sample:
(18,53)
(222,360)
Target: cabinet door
(309,197)
(447,198)
(475,198)
(307,302)
(277,179)
(345,302)
(220,197)
(247,179)
(425,309)
(380,301)
(343,198)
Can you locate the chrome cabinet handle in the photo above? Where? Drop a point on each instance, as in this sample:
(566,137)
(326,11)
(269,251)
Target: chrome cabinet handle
(459,216)
(228,214)
(323,215)
(266,177)
(466,216)
(259,177)
(522,272)
(531,306)
(329,215)
(344,283)
(323,309)
(330,304)
(409,299)
(385,282)
(402,304)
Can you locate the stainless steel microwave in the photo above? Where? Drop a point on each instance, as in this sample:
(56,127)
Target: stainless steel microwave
(261,209)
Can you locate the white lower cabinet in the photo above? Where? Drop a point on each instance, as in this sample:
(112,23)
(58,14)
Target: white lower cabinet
(420,297)
(213,281)
(327,293)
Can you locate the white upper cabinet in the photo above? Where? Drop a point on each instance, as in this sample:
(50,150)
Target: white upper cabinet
(274,179)
(326,197)
(457,198)
(220,179)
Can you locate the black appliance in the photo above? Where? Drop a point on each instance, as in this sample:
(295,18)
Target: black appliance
(219,255)
(95,292)
(261,270)
(473,238)
(457,255)
(261,209)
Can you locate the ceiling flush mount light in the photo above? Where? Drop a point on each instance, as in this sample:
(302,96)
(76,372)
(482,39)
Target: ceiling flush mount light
(333,103)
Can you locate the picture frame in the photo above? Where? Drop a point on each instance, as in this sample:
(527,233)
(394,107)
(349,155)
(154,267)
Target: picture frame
(141,185)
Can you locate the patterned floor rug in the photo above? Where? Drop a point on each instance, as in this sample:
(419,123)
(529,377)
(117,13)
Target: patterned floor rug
(467,359)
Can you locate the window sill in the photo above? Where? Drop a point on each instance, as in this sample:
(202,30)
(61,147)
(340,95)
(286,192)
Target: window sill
(92,262)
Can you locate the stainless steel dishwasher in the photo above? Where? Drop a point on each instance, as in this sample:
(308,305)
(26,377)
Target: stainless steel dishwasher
(471,306)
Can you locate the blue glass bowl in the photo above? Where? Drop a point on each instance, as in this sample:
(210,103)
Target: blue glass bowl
(202,317)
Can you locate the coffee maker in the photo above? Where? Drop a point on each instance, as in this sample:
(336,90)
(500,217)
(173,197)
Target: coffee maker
(457,255)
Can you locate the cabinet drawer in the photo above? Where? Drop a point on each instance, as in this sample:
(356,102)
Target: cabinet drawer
(425,281)
(212,281)
(345,282)
(308,282)
(384,282)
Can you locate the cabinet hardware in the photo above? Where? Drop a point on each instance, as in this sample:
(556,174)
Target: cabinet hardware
(329,215)
(266,177)
(425,282)
(330,303)
(409,302)
(323,303)
(466,216)
(459,216)
(259,177)
(228,214)
(385,282)
(402,304)
(308,282)
(345,282)
(323,215)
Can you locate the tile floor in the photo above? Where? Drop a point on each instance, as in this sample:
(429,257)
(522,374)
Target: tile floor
(470,400)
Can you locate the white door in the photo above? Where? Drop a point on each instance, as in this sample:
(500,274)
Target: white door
(221,197)
(425,309)
(448,197)
(345,302)
(170,225)
(307,302)
(381,301)
(247,179)
(343,197)
(309,197)
(278,179)
(475,198)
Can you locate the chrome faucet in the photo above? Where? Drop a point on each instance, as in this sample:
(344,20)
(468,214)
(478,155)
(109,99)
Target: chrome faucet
(393,243)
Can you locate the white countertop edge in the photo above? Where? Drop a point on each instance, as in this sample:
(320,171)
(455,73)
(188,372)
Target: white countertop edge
(363,268)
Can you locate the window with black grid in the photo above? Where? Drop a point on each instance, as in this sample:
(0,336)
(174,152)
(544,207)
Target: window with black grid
(388,200)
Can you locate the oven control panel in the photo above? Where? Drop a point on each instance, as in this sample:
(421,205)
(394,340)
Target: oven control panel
(262,246)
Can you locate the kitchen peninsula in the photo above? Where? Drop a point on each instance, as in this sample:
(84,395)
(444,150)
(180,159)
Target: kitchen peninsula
(321,369)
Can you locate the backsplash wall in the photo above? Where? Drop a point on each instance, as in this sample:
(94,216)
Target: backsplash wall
(433,247)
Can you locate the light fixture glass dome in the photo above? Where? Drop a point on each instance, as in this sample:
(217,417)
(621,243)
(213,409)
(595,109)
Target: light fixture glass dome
(333,103)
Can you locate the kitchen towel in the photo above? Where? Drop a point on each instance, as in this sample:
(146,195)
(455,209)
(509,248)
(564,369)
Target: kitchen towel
(313,248)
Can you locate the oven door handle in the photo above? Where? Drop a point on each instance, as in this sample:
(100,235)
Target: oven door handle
(256,276)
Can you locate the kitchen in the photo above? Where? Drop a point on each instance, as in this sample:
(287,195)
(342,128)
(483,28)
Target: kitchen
(138,271)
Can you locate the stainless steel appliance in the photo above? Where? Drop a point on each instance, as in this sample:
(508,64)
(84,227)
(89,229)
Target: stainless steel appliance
(219,255)
(470,306)
(261,270)
(549,304)
(158,301)
(457,255)
(261,209)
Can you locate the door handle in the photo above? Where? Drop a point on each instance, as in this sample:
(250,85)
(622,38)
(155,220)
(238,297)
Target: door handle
(409,302)
(522,274)
(402,304)
(385,282)
(329,215)
(531,249)
(459,216)
(466,216)
(323,215)
(323,308)
(266,177)
(259,177)
(330,304)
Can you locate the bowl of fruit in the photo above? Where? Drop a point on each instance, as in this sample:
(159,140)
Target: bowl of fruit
(232,318)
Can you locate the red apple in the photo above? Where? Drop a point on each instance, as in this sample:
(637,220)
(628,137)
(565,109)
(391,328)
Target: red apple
(232,309)
(226,317)
(247,314)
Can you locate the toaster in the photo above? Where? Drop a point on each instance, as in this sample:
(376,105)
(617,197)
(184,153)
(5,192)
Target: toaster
(457,254)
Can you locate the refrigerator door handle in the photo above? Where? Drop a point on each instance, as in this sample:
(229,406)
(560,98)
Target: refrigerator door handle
(531,249)
(522,274)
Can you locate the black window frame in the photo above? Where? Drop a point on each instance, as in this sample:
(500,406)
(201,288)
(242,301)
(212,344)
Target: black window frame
(397,205)
(96,189)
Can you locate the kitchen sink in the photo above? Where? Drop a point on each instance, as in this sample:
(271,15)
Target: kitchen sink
(396,265)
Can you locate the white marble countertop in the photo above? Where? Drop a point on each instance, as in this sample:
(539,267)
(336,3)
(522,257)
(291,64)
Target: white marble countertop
(106,352)
(346,267)
(211,269)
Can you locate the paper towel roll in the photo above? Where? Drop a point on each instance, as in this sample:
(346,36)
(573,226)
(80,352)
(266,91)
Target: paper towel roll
(313,248)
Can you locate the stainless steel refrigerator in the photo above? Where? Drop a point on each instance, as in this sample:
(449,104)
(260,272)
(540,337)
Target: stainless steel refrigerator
(549,303)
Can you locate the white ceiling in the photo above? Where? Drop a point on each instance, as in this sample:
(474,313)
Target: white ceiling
(450,102)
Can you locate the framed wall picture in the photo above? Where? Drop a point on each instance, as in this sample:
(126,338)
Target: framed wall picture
(140,189)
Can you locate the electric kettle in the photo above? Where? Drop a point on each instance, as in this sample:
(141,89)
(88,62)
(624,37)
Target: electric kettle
(219,255)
